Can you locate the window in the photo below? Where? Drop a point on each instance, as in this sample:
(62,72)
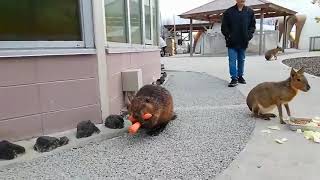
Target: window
(155,22)
(44,23)
(131,22)
(135,20)
(116,21)
(151,21)
(147,16)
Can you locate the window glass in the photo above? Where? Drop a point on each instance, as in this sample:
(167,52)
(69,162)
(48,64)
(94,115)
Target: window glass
(147,19)
(155,22)
(135,20)
(116,21)
(40,20)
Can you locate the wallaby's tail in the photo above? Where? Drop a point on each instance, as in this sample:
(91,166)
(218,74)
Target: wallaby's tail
(250,101)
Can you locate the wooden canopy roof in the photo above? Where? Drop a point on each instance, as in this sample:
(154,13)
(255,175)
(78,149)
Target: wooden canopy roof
(186,27)
(213,11)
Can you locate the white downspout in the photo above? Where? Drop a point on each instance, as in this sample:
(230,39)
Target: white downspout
(100,41)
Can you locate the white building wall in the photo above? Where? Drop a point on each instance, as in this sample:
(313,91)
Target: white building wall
(311,28)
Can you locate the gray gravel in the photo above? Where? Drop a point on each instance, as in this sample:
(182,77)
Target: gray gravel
(311,64)
(201,89)
(209,132)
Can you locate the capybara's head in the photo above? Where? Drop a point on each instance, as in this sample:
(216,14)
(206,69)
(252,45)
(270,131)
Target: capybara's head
(299,81)
(141,105)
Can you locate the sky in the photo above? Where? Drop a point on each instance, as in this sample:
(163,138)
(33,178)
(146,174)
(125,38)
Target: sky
(169,8)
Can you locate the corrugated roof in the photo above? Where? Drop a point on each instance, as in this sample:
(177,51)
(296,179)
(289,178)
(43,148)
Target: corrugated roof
(217,7)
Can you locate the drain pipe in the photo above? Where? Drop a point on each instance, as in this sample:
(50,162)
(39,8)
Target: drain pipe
(100,41)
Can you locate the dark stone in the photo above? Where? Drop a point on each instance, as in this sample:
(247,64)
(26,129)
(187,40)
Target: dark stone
(114,122)
(164,74)
(47,143)
(9,150)
(162,79)
(158,82)
(63,141)
(86,129)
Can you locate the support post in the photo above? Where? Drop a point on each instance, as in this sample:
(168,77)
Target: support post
(261,32)
(284,38)
(100,41)
(174,34)
(191,38)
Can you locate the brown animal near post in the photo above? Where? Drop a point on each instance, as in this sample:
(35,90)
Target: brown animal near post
(154,100)
(266,96)
(272,54)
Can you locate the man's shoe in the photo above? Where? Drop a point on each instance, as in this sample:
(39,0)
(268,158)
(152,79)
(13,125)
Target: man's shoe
(241,80)
(233,83)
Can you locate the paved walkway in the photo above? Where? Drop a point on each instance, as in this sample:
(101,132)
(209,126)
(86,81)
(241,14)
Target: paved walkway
(263,159)
(210,131)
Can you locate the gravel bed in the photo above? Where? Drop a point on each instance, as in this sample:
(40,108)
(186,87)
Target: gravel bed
(311,64)
(199,144)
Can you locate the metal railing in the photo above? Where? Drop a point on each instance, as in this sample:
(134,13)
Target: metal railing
(314,43)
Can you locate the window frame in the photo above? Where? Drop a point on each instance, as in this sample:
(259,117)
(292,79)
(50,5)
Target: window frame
(149,41)
(86,28)
(147,44)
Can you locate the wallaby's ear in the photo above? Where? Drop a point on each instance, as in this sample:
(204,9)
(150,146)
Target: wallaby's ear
(301,71)
(293,72)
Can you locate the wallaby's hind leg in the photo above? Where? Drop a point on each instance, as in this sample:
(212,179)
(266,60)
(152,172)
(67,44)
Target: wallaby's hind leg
(280,113)
(271,115)
(288,109)
(257,114)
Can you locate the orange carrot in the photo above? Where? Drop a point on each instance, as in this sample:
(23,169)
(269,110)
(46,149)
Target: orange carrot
(133,120)
(133,129)
(146,116)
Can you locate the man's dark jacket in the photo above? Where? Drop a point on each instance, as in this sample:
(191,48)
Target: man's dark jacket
(238,26)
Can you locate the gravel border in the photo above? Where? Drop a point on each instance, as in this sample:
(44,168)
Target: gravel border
(311,64)
(208,134)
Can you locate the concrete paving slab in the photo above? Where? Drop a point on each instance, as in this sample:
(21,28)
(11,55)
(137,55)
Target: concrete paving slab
(262,158)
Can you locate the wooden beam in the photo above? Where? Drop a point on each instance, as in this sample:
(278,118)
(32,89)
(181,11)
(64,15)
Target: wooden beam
(271,15)
(282,9)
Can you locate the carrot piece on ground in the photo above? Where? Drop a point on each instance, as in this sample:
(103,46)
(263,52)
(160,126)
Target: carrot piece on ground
(133,120)
(133,129)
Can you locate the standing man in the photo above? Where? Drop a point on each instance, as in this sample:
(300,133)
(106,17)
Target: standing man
(238,27)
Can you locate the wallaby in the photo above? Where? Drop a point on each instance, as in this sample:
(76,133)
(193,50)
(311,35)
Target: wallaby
(272,53)
(155,100)
(266,96)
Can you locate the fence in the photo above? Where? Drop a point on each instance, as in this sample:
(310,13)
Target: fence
(314,43)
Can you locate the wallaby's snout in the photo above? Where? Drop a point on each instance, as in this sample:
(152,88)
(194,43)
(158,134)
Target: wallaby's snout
(308,87)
